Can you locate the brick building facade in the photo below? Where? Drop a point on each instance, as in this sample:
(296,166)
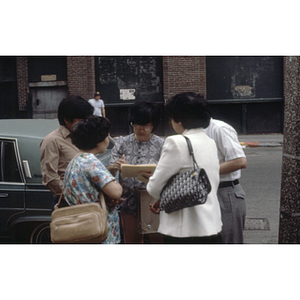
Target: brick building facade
(165,76)
(180,74)
(81,76)
(22,81)
(184,74)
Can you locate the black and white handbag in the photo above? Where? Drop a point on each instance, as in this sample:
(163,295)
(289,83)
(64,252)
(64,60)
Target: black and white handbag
(185,189)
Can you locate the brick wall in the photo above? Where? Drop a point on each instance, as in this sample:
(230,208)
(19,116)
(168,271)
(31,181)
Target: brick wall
(184,74)
(22,80)
(81,76)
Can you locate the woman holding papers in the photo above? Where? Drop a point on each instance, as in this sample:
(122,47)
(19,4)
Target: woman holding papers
(199,223)
(140,147)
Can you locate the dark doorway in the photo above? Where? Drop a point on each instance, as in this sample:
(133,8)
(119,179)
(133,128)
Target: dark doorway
(8,88)
(47,76)
(39,66)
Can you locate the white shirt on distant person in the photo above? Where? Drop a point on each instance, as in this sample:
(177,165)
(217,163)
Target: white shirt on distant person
(97,104)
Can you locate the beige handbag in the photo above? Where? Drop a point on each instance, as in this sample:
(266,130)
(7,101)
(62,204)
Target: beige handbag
(148,221)
(82,223)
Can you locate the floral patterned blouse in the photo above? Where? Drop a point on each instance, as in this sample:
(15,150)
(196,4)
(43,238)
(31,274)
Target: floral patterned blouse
(87,177)
(136,153)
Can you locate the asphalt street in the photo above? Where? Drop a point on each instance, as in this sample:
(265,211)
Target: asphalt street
(261,181)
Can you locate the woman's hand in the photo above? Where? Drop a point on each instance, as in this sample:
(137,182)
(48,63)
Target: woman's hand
(117,165)
(155,207)
(113,202)
(144,176)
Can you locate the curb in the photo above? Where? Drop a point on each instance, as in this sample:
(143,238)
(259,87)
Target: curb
(258,144)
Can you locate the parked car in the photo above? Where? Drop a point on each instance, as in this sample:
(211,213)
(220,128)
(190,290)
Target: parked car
(25,203)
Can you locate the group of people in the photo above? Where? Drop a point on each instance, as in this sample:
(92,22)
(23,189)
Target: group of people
(69,166)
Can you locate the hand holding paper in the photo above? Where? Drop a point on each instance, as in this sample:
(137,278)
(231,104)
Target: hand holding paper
(144,176)
(119,163)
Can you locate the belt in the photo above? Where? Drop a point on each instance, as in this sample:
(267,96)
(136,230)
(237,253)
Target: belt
(228,183)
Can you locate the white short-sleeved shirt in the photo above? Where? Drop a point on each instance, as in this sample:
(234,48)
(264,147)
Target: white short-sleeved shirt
(228,145)
(97,104)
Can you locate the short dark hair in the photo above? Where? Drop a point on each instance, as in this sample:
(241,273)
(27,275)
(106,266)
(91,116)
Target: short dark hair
(190,109)
(143,113)
(73,107)
(88,133)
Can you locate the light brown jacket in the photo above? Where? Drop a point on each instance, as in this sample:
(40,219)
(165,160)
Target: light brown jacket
(57,151)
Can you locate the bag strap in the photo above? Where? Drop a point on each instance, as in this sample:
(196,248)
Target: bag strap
(69,174)
(195,165)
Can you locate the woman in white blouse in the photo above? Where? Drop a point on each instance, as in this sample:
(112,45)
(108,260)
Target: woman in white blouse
(201,223)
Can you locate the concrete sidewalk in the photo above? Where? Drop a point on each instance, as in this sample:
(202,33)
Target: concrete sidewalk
(261,181)
(261,140)
(258,140)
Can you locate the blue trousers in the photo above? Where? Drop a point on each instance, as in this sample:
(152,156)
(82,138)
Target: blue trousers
(233,210)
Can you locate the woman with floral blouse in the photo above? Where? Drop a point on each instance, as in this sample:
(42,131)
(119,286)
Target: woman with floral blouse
(86,176)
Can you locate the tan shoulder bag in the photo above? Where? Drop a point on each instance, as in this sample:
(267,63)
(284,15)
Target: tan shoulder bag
(82,223)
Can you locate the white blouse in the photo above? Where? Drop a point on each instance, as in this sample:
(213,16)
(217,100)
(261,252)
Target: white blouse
(199,220)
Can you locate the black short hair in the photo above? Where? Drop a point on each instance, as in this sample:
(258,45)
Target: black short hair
(190,109)
(143,113)
(88,133)
(73,107)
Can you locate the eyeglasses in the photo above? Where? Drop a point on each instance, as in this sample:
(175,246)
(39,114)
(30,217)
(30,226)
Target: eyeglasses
(144,127)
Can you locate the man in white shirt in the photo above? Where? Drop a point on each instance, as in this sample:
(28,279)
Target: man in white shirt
(230,193)
(98,105)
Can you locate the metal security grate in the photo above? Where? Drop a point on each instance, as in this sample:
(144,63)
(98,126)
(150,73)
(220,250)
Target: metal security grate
(257,224)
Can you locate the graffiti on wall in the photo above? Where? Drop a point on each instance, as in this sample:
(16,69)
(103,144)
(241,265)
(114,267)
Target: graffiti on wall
(118,76)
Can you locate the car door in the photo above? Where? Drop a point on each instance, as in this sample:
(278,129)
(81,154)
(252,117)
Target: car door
(12,183)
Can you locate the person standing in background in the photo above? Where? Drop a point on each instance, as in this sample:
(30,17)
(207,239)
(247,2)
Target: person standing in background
(230,193)
(98,104)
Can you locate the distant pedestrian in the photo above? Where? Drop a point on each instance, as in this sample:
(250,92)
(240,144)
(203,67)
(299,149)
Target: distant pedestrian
(98,104)
(230,193)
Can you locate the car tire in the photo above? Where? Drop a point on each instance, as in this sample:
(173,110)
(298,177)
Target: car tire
(41,234)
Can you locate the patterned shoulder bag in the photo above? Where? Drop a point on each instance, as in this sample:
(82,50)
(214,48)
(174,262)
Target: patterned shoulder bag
(185,189)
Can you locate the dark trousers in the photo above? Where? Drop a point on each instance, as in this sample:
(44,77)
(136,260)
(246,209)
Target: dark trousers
(213,239)
(63,203)
(54,201)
